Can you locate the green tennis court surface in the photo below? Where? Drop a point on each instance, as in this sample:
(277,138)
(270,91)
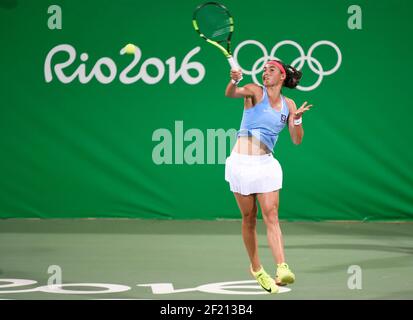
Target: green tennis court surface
(192,259)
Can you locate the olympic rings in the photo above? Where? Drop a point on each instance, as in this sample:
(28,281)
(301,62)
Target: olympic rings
(297,63)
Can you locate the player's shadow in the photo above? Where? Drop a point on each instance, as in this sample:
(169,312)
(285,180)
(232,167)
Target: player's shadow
(8,4)
(405,294)
(348,246)
(354,246)
(372,263)
(343,228)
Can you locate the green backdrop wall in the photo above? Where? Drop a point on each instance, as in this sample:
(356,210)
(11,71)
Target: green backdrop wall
(99,137)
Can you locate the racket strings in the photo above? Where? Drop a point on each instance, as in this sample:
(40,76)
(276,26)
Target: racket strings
(224,31)
(214,23)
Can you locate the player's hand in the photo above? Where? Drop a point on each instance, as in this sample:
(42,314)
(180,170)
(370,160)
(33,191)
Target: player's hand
(236,75)
(300,111)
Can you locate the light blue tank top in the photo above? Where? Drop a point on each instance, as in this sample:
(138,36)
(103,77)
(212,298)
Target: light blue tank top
(263,122)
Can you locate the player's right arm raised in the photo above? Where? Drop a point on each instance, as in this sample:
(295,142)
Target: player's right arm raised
(233,91)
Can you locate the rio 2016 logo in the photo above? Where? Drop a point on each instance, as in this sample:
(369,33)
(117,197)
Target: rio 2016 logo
(244,287)
(124,77)
(184,68)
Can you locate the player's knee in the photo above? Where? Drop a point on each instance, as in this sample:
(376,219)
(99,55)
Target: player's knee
(248,222)
(249,218)
(270,217)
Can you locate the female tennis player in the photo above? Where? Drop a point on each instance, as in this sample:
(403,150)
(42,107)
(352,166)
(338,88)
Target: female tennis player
(252,171)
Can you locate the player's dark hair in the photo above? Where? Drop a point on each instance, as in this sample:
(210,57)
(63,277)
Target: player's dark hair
(293,76)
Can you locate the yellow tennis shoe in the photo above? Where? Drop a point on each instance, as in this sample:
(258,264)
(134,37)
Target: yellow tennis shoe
(284,275)
(265,280)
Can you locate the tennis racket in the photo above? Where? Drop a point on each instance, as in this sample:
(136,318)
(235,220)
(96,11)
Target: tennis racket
(214,23)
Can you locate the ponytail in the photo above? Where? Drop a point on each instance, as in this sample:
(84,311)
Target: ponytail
(293,77)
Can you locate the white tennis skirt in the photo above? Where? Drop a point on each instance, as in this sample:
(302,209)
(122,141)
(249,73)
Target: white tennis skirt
(248,174)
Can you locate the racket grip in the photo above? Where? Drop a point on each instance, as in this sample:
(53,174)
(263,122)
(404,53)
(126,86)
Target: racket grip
(233,64)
